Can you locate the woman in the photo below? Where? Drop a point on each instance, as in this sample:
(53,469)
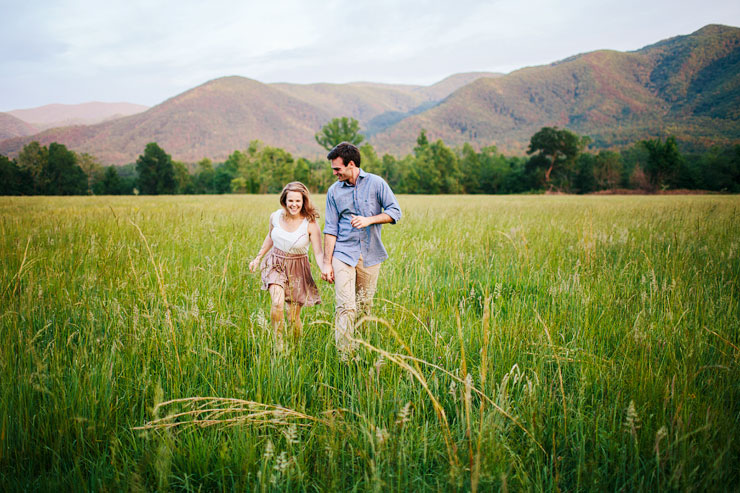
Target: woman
(286,271)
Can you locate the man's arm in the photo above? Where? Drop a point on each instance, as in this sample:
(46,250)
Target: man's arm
(391,210)
(363,222)
(327,271)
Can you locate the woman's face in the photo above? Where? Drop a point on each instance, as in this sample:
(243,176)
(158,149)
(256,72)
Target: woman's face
(294,203)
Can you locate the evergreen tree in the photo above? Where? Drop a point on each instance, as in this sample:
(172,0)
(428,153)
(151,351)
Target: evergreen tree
(663,162)
(14,180)
(61,175)
(155,170)
(110,184)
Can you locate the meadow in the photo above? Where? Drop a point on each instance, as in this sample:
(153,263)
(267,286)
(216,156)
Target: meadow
(517,343)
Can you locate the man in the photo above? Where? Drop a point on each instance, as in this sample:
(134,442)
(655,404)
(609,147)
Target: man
(356,207)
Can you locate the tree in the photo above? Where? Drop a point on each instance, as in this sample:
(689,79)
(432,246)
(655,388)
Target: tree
(339,130)
(156,172)
(111,183)
(91,166)
(61,175)
(14,180)
(663,160)
(370,160)
(608,170)
(556,148)
(276,166)
(183,180)
(204,177)
(31,160)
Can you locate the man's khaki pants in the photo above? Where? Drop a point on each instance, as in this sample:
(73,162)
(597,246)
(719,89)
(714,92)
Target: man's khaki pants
(354,288)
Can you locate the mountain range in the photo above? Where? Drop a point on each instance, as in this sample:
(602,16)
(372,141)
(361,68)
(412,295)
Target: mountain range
(688,86)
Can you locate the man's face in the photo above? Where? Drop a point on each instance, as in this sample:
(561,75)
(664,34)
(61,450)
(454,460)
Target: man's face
(342,172)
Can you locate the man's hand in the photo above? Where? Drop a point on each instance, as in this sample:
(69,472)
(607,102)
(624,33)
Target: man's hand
(327,273)
(360,222)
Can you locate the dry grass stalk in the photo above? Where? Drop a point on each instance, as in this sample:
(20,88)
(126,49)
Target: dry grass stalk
(475,474)
(415,371)
(468,385)
(213,411)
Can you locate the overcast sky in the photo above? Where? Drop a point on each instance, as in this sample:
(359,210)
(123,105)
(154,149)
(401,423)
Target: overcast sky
(145,51)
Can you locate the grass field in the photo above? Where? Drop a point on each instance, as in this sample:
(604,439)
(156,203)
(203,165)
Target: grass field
(517,343)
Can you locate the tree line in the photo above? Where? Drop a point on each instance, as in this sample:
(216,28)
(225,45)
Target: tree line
(557,159)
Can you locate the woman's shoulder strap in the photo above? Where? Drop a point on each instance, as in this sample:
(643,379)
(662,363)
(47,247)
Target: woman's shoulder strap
(275,217)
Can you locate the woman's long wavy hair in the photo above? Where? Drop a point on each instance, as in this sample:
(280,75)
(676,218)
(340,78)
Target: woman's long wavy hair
(308,210)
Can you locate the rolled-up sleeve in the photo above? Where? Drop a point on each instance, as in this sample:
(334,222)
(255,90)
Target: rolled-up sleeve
(389,202)
(331,225)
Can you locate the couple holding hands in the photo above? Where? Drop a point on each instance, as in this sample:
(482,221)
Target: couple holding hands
(356,207)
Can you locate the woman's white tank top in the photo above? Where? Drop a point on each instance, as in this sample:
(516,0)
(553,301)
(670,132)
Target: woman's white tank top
(295,242)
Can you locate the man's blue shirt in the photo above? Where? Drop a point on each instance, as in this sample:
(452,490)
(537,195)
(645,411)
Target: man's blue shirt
(369,196)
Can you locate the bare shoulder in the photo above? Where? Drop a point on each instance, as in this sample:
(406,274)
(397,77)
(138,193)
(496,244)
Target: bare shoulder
(313,225)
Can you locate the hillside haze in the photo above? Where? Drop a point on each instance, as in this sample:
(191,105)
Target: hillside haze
(58,115)
(11,126)
(688,86)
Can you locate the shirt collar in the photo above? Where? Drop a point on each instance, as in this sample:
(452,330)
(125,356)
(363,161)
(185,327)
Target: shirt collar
(362,174)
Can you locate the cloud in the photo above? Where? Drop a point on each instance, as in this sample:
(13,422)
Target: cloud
(142,51)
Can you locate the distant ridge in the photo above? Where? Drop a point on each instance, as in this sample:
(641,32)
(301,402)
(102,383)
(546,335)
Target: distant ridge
(10,127)
(688,86)
(58,115)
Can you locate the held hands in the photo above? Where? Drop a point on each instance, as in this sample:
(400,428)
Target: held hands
(327,273)
(360,222)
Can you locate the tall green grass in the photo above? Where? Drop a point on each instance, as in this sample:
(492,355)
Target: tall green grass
(522,343)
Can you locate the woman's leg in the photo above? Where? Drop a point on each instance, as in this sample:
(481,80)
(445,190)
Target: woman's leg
(277,294)
(294,311)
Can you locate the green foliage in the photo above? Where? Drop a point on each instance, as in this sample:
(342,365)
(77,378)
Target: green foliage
(433,168)
(663,161)
(92,168)
(183,179)
(338,130)
(31,160)
(204,178)
(156,171)
(13,179)
(607,170)
(61,175)
(559,148)
(111,184)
